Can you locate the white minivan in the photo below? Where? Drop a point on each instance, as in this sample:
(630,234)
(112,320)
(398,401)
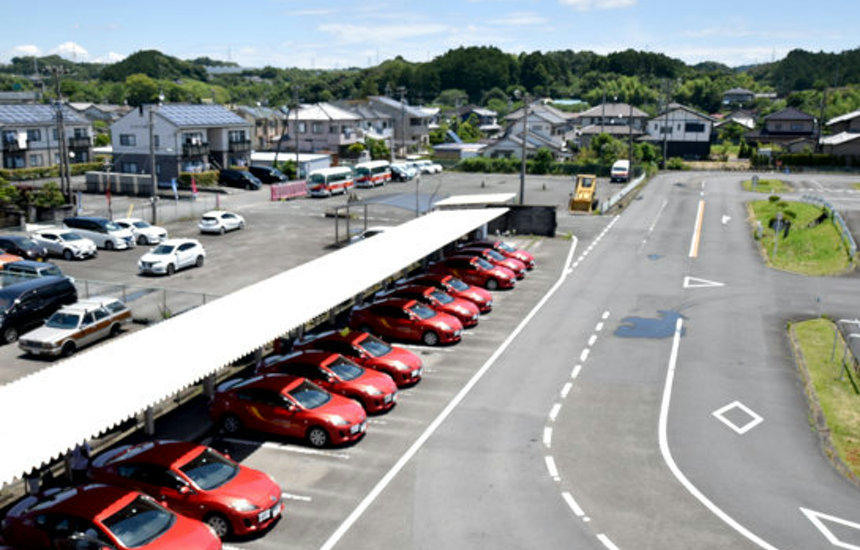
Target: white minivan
(102,231)
(620,171)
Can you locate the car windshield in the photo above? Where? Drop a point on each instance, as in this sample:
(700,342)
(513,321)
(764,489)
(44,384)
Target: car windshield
(112,226)
(209,219)
(317,178)
(442,296)
(163,249)
(495,255)
(457,284)
(345,369)
(140,224)
(28,242)
(115,307)
(70,237)
(483,264)
(209,470)
(422,311)
(63,320)
(374,346)
(139,523)
(310,396)
(506,247)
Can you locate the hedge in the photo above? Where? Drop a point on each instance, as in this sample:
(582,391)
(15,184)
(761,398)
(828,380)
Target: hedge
(43,172)
(202,179)
(514,165)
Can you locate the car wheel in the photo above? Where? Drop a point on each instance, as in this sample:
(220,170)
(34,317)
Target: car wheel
(67,255)
(199,262)
(219,524)
(231,424)
(69,348)
(430,338)
(10,335)
(492,284)
(222,230)
(141,240)
(171,269)
(108,245)
(241,225)
(318,437)
(115,330)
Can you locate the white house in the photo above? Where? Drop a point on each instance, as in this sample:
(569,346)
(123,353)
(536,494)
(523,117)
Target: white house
(682,131)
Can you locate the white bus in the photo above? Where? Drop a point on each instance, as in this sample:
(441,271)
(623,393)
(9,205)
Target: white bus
(329,181)
(373,173)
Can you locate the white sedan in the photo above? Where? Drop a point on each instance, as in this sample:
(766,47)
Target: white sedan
(143,232)
(220,221)
(171,256)
(65,243)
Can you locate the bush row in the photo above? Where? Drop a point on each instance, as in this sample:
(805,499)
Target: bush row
(42,172)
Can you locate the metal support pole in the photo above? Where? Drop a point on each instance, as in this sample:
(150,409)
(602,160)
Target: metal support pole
(149,421)
(209,386)
(525,136)
(154,180)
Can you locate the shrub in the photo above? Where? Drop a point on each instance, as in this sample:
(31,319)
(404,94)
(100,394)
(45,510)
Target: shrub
(676,163)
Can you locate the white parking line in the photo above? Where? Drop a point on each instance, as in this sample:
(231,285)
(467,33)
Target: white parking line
(553,412)
(605,315)
(568,498)
(584,355)
(566,390)
(290,496)
(551,467)
(592,340)
(547,437)
(606,542)
(575,371)
(598,327)
(288,448)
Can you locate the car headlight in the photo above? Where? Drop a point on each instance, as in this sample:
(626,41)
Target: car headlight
(243,505)
(444,326)
(338,420)
(372,390)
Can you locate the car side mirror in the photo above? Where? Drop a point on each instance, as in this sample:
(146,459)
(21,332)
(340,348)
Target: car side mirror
(185,490)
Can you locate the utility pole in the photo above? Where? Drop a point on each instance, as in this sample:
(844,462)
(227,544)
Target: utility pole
(154,175)
(525,137)
(630,141)
(402,91)
(296,104)
(62,146)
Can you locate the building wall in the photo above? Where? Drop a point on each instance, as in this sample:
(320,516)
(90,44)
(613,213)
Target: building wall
(680,126)
(790,126)
(45,151)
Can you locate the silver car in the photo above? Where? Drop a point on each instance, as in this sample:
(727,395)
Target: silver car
(65,243)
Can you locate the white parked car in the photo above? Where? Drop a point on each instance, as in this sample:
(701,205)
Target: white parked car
(171,256)
(77,325)
(428,167)
(104,232)
(65,243)
(220,221)
(143,232)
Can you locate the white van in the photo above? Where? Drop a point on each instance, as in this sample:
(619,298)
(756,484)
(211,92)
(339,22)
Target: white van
(620,171)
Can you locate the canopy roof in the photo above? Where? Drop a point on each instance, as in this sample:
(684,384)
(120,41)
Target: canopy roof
(48,413)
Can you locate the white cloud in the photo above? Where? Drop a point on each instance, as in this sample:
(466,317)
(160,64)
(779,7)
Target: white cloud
(110,57)
(301,13)
(586,5)
(346,33)
(71,50)
(518,19)
(24,50)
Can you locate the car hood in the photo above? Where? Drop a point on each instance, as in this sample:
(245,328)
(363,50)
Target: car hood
(252,485)
(186,533)
(344,407)
(48,334)
(400,354)
(446,318)
(513,264)
(155,258)
(378,380)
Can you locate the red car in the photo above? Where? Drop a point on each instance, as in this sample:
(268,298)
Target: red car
(97,516)
(401,319)
(508,250)
(464,310)
(495,258)
(195,481)
(456,288)
(403,366)
(376,391)
(475,271)
(290,406)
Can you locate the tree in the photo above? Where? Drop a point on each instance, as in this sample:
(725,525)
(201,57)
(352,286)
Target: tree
(542,161)
(47,196)
(378,149)
(141,90)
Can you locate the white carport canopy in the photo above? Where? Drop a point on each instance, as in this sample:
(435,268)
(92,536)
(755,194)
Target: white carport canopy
(476,200)
(48,413)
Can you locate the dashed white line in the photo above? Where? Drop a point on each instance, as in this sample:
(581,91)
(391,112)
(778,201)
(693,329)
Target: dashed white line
(290,496)
(568,498)
(566,390)
(584,355)
(598,327)
(547,437)
(605,315)
(592,340)
(575,372)
(553,412)
(551,467)
(606,542)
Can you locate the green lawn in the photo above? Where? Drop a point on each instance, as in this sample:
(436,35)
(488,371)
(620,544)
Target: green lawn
(766,186)
(817,250)
(835,394)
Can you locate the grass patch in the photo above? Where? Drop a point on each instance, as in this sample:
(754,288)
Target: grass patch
(807,250)
(836,397)
(766,186)
(856,186)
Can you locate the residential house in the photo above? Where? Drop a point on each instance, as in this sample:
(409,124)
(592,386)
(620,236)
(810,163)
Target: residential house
(545,128)
(412,123)
(185,138)
(790,128)
(488,119)
(738,96)
(20,97)
(620,120)
(544,119)
(844,140)
(374,123)
(849,122)
(322,127)
(100,111)
(682,132)
(31,138)
(269,125)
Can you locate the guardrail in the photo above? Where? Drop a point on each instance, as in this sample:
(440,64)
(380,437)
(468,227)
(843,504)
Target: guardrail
(837,219)
(289,190)
(617,197)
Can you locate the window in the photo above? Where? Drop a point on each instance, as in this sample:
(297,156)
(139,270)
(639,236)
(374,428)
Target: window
(81,133)
(35,160)
(236,136)
(416,122)
(54,135)
(128,167)
(316,128)
(697,127)
(128,140)
(155,141)
(34,134)
(666,130)
(302,127)
(797,127)
(332,129)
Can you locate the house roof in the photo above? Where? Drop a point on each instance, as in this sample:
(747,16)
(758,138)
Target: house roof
(546,112)
(679,107)
(412,110)
(789,113)
(612,110)
(323,111)
(738,91)
(260,112)
(840,138)
(38,114)
(363,109)
(844,118)
(200,115)
(611,129)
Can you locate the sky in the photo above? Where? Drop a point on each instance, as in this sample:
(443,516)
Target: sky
(332,34)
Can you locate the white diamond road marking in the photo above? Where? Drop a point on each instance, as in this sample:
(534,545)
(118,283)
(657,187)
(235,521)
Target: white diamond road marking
(816,517)
(755,418)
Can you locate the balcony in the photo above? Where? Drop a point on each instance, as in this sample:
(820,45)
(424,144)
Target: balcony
(80,142)
(191,150)
(239,146)
(12,146)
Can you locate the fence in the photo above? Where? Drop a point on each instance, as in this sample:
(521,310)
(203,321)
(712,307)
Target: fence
(148,305)
(837,221)
(289,190)
(617,197)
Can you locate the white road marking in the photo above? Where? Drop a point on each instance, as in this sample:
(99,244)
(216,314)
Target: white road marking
(726,219)
(566,390)
(697,230)
(605,315)
(377,421)
(592,340)
(598,327)
(547,437)
(551,467)
(568,498)
(575,372)
(695,282)
(667,453)
(606,542)
(288,448)
(818,186)
(455,401)
(553,412)
(756,419)
(657,217)
(290,496)
(816,517)
(584,355)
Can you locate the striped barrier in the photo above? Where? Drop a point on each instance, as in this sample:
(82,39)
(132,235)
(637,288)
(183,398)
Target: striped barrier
(288,190)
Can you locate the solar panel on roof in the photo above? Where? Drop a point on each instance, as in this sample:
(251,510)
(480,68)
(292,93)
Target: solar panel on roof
(200,115)
(36,114)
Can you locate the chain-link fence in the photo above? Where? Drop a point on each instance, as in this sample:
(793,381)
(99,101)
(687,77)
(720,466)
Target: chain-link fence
(148,304)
